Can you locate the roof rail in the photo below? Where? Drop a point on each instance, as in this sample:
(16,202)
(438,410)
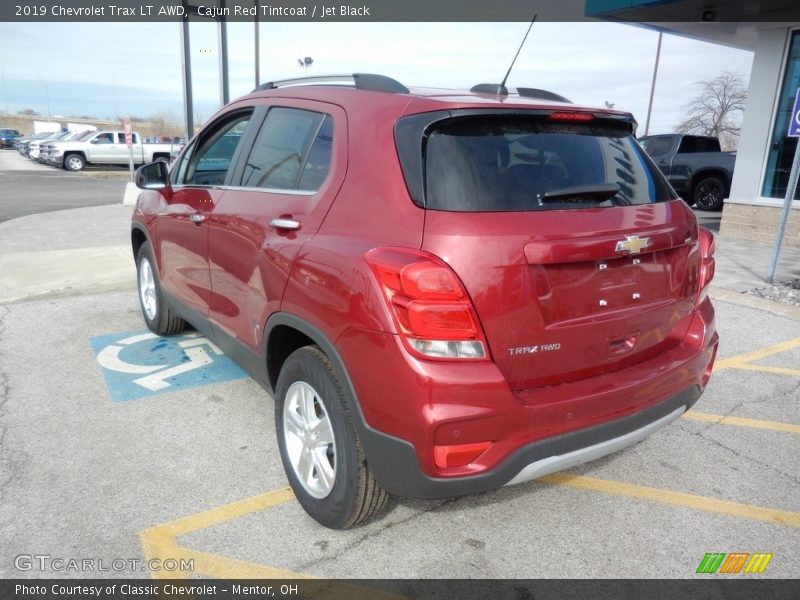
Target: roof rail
(500,90)
(541,94)
(360,81)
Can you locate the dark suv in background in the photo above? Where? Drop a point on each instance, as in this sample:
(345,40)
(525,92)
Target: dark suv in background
(695,166)
(444,291)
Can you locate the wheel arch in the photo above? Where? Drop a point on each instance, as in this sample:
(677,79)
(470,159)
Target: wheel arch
(284,333)
(138,238)
(379,449)
(139,235)
(712,172)
(80,153)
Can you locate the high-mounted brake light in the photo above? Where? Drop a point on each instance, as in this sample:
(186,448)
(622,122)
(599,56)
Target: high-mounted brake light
(707,262)
(564,115)
(428,304)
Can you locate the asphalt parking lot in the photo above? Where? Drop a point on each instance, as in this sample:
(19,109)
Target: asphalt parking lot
(30,187)
(118,446)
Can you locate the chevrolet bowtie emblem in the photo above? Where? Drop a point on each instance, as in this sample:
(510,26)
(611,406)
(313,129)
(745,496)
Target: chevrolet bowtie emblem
(632,244)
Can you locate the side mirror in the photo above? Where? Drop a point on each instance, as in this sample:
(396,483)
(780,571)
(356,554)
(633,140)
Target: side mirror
(153,176)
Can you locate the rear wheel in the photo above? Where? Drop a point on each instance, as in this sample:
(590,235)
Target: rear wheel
(709,193)
(156,312)
(320,449)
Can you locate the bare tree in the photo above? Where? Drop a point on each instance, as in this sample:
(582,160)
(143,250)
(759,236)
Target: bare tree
(717,110)
(166,122)
(199,118)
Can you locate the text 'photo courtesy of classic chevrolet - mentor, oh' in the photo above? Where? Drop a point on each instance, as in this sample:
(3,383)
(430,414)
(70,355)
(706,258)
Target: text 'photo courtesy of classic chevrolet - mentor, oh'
(444,291)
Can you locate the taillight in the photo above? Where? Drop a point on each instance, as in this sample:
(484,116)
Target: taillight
(429,305)
(707,262)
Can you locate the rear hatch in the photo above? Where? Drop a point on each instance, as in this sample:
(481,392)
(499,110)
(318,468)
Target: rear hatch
(578,257)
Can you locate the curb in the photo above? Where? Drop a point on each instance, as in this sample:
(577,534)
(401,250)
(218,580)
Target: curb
(744,299)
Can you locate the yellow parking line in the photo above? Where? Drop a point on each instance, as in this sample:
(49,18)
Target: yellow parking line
(725,507)
(742,422)
(767,369)
(161,541)
(215,516)
(748,357)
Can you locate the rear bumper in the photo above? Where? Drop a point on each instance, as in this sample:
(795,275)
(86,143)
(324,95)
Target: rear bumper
(395,464)
(409,406)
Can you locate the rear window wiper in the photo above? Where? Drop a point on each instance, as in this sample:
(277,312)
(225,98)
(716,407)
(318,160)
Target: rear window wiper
(597,192)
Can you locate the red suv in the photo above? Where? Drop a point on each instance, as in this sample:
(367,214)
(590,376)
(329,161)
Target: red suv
(445,292)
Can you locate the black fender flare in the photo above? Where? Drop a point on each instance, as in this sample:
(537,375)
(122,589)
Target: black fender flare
(387,455)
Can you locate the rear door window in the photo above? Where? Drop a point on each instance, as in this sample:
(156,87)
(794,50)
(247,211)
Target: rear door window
(526,164)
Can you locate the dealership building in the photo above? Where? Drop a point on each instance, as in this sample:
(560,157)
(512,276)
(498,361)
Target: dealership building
(771,29)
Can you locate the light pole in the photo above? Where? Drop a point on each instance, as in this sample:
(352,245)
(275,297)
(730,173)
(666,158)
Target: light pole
(653,85)
(47,95)
(257,47)
(5,94)
(114,91)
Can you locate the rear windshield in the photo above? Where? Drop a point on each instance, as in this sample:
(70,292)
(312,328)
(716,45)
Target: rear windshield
(524,164)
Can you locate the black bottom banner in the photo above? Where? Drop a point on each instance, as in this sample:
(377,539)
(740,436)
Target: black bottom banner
(400,589)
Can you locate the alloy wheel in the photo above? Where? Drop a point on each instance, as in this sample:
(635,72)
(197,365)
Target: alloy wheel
(308,435)
(147,289)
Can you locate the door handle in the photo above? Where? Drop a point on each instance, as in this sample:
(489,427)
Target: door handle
(197,218)
(289,224)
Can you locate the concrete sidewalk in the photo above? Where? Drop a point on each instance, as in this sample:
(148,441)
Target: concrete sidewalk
(86,250)
(76,251)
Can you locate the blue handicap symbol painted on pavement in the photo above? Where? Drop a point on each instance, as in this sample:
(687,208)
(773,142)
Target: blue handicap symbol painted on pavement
(138,364)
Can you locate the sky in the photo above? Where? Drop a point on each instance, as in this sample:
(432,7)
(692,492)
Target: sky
(105,70)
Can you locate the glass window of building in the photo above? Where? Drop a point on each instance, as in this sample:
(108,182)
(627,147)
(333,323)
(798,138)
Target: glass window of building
(782,147)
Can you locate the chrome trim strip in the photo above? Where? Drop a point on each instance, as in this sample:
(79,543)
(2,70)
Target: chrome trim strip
(551,464)
(237,188)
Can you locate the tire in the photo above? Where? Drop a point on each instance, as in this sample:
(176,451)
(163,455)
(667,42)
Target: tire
(709,193)
(74,162)
(156,312)
(320,449)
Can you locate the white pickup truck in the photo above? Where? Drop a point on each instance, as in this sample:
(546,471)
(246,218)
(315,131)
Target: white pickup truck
(103,148)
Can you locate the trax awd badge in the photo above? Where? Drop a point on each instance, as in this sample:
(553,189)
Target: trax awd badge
(534,349)
(632,244)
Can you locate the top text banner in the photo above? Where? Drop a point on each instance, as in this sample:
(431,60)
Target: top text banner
(385,11)
(291,10)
